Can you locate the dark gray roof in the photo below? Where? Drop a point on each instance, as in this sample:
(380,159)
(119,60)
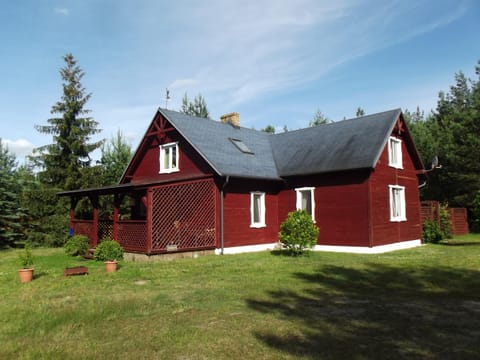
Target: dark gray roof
(343,145)
(212,141)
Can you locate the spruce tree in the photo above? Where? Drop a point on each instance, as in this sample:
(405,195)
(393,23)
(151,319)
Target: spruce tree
(62,161)
(196,108)
(10,211)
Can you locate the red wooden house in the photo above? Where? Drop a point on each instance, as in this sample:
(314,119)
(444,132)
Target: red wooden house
(198,184)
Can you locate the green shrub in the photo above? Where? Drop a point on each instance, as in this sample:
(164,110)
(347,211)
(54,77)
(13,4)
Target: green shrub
(108,250)
(25,257)
(445,222)
(432,233)
(298,233)
(77,245)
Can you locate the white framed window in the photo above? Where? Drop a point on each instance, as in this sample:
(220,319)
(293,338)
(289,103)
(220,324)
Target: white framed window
(257,209)
(395,152)
(397,203)
(168,158)
(306,200)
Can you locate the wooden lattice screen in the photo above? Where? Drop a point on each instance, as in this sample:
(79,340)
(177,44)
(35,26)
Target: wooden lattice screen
(184,216)
(458,219)
(132,235)
(430,210)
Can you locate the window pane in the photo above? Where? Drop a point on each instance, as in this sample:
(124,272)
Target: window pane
(174,156)
(166,164)
(307,201)
(256,208)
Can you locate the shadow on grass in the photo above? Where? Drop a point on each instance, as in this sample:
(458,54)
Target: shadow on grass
(459,243)
(378,312)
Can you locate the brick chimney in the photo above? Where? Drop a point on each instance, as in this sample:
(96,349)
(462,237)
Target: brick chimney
(231,118)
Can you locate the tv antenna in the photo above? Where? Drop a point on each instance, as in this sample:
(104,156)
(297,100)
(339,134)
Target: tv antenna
(167,97)
(435,164)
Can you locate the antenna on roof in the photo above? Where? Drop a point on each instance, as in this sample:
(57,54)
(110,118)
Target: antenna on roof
(435,164)
(167,97)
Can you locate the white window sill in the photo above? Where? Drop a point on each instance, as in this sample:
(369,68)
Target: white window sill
(169,171)
(396,166)
(398,219)
(258,226)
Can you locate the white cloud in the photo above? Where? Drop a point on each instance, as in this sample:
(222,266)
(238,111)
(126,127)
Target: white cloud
(182,83)
(62,11)
(239,51)
(21,147)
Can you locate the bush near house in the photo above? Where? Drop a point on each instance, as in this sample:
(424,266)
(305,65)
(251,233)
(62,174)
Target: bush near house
(298,233)
(432,233)
(77,245)
(108,250)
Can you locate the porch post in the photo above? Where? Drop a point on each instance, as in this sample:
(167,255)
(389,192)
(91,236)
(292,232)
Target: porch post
(117,200)
(73,205)
(94,201)
(149,208)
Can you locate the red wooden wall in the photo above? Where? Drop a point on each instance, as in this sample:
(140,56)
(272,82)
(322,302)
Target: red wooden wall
(237,230)
(385,231)
(340,206)
(190,163)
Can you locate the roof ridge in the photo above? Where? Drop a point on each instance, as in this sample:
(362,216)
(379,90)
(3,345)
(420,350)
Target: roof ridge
(333,123)
(219,122)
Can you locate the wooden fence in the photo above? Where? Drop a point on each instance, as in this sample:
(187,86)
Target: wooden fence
(430,210)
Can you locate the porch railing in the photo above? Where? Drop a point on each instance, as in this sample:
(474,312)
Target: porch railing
(132,234)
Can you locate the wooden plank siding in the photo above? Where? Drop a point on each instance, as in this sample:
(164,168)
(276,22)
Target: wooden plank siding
(385,231)
(191,164)
(237,229)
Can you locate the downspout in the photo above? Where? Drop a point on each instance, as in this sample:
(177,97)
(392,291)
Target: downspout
(222,240)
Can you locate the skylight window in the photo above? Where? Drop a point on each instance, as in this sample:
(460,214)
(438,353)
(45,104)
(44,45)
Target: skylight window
(241,146)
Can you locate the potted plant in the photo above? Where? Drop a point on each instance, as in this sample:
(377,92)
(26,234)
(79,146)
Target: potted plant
(109,251)
(26,262)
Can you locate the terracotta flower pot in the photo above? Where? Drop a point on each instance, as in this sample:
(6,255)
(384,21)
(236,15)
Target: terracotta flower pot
(110,266)
(25,275)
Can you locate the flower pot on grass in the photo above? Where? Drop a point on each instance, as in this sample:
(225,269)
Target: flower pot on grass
(109,251)
(25,274)
(111,266)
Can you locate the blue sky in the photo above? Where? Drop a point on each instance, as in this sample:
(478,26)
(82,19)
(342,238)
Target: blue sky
(273,61)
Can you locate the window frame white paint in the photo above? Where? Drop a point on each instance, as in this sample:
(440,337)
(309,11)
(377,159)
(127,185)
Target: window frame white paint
(397,203)
(395,158)
(261,223)
(163,149)
(299,192)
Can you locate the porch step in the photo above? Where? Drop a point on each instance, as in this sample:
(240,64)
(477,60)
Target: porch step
(89,254)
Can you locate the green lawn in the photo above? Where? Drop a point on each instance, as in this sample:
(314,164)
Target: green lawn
(422,303)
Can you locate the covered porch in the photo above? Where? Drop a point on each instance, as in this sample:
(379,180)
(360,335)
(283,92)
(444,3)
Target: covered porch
(150,218)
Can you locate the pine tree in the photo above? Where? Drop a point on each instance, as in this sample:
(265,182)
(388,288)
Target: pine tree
(196,108)
(62,161)
(318,119)
(10,211)
(269,129)
(360,112)
(116,155)
(453,133)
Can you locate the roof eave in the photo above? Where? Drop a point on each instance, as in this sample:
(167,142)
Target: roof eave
(204,157)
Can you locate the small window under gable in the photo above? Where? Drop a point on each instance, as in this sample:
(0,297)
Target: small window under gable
(395,152)
(257,209)
(169,158)
(306,200)
(397,203)
(240,145)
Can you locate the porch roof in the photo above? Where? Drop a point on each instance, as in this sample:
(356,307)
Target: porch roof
(104,190)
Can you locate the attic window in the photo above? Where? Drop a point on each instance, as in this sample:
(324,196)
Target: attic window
(240,145)
(395,153)
(168,158)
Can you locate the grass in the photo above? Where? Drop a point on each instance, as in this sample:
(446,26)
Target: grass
(421,303)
